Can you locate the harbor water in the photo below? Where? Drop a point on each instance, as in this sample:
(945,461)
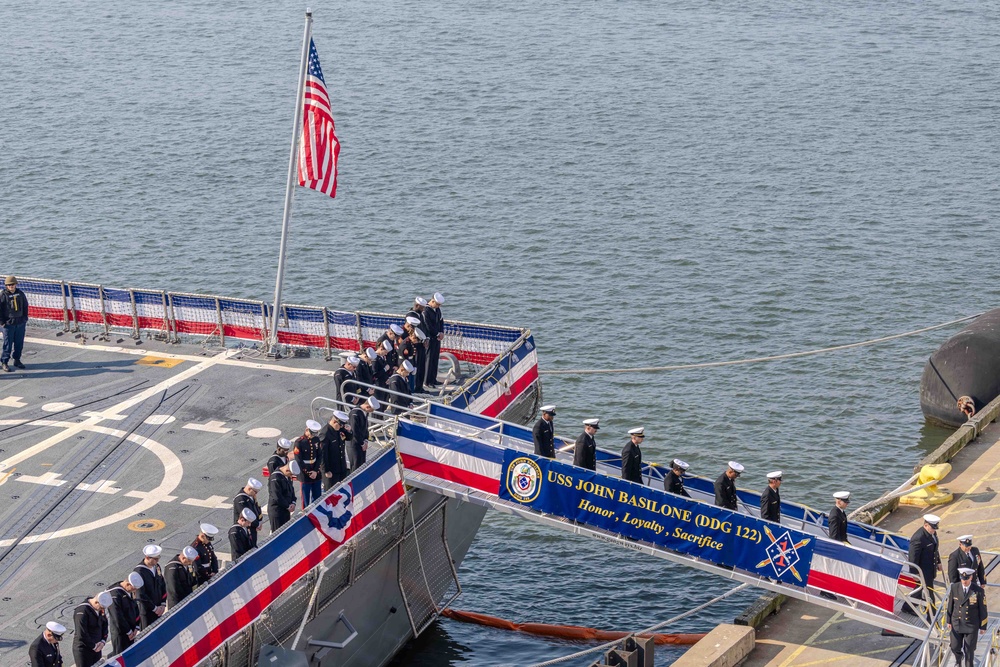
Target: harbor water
(640,183)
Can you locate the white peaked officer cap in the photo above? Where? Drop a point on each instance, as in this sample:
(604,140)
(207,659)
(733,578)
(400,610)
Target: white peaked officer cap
(135,579)
(965,539)
(735,467)
(373,402)
(248,514)
(152,551)
(842,495)
(681,464)
(340,416)
(413,320)
(370,353)
(420,301)
(420,334)
(408,367)
(386,345)
(774,475)
(596,423)
(439,297)
(284,443)
(932,519)
(637,431)
(967,571)
(551,409)
(396,329)
(190,553)
(313,425)
(55,628)
(354,360)
(209,529)
(254,483)
(293,467)
(104,599)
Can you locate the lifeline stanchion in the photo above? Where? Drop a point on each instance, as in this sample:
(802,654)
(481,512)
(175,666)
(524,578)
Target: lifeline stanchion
(754,360)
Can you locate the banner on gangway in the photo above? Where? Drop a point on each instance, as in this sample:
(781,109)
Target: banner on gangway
(236,598)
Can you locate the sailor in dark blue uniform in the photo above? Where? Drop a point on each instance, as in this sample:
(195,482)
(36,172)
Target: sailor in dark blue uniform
(366,371)
(341,376)
(770,500)
(333,444)
(632,456)
(838,516)
(179,575)
(925,556)
(967,616)
(90,621)
(725,486)
(585,449)
(434,328)
(400,384)
(966,555)
(246,499)
(280,456)
(393,335)
(674,480)
(357,424)
(384,368)
(543,433)
(239,534)
(153,594)
(281,494)
(44,651)
(419,359)
(123,616)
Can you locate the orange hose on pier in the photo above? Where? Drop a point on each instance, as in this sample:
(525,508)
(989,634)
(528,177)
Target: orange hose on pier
(563,631)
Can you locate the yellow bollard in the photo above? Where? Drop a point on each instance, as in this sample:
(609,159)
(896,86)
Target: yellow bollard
(932,494)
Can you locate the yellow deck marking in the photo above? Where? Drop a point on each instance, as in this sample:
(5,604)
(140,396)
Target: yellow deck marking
(978,508)
(6,475)
(797,652)
(163,362)
(146,525)
(846,638)
(972,489)
(845,656)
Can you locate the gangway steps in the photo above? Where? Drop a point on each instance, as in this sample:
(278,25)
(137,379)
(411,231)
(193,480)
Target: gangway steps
(904,624)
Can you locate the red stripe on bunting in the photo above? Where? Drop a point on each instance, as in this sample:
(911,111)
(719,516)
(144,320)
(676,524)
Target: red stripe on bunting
(450,473)
(851,589)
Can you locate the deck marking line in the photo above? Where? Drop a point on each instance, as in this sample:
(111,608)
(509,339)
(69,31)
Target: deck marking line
(797,652)
(209,427)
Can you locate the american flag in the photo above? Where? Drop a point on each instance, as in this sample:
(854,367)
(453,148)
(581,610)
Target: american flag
(318,145)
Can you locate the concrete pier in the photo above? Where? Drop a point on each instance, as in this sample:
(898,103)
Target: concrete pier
(802,634)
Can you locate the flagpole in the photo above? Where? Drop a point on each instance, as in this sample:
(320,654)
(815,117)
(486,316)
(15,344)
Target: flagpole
(290,184)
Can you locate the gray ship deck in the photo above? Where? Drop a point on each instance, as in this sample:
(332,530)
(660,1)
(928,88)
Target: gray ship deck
(137,444)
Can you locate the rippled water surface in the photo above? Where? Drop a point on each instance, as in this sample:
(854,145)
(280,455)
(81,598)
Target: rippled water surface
(640,183)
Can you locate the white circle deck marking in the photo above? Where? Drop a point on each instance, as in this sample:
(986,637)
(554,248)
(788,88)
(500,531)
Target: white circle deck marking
(173,471)
(264,432)
(57,406)
(159,420)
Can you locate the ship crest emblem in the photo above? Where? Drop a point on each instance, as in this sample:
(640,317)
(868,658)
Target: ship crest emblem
(524,479)
(783,554)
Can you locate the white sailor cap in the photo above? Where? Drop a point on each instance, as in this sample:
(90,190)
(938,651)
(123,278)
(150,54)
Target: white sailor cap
(681,464)
(340,416)
(439,297)
(248,514)
(932,519)
(284,443)
(407,366)
(55,628)
(551,409)
(387,345)
(966,572)
(966,540)
(637,431)
(209,529)
(396,329)
(254,484)
(420,301)
(313,425)
(373,403)
(594,423)
(774,475)
(152,551)
(414,321)
(420,333)
(354,360)
(135,579)
(294,468)
(190,553)
(104,599)
(736,467)
(370,353)
(842,495)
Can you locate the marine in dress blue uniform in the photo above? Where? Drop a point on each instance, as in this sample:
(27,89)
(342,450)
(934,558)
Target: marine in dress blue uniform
(208,563)
(309,453)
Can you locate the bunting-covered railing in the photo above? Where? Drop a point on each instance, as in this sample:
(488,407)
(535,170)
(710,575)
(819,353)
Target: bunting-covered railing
(236,598)
(485,462)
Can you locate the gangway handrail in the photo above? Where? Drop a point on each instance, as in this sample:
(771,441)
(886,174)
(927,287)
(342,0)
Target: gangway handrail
(858,608)
(882,541)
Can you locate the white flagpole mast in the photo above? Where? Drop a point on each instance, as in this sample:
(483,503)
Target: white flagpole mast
(272,346)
